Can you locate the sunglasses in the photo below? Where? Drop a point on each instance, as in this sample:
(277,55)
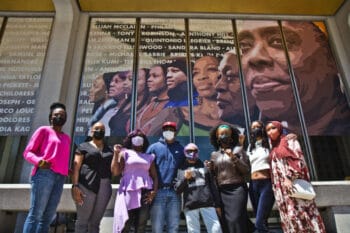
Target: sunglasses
(191,150)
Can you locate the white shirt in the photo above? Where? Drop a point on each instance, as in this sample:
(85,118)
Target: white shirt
(259,157)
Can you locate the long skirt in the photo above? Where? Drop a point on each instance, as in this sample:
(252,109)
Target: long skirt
(234,198)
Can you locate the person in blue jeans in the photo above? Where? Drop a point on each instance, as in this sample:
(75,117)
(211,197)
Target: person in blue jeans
(48,150)
(166,206)
(260,188)
(200,194)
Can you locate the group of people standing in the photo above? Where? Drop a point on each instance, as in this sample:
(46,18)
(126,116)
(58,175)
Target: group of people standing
(153,178)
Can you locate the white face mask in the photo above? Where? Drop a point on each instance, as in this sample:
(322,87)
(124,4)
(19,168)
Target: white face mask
(137,141)
(168,135)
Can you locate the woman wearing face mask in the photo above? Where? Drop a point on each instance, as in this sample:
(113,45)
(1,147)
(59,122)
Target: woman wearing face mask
(230,169)
(287,164)
(138,183)
(260,188)
(48,150)
(91,179)
(200,195)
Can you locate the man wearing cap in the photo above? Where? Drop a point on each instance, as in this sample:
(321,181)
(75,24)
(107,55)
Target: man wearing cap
(170,156)
(200,195)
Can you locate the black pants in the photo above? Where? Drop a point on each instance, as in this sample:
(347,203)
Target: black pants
(138,217)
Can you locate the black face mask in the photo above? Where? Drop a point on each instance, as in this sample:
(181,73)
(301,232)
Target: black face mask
(257,132)
(58,121)
(225,139)
(98,134)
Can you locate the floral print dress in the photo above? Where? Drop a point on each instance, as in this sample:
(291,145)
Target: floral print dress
(297,215)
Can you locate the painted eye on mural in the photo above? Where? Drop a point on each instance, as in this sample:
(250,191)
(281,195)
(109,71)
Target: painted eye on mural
(245,46)
(231,78)
(275,41)
(293,40)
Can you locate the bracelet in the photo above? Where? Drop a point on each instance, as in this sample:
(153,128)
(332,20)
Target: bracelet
(41,163)
(75,185)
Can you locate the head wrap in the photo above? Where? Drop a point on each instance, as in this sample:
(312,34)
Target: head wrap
(281,150)
(224,127)
(321,26)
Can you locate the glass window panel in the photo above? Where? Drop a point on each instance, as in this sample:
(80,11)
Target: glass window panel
(325,107)
(22,52)
(210,41)
(266,72)
(162,52)
(105,90)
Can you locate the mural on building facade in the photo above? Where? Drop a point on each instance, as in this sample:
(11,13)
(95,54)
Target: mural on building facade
(163,78)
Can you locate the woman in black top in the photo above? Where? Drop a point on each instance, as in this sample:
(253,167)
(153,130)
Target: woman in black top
(92,180)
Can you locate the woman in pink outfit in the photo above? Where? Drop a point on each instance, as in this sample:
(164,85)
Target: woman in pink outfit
(288,164)
(138,184)
(48,150)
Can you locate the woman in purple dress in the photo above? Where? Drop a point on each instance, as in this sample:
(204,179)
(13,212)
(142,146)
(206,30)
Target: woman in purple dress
(138,183)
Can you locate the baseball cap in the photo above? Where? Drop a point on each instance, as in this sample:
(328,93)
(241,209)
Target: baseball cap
(169,124)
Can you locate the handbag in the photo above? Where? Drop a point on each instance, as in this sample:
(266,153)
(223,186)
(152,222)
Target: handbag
(303,189)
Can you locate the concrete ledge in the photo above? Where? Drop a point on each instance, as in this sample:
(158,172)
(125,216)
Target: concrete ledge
(16,197)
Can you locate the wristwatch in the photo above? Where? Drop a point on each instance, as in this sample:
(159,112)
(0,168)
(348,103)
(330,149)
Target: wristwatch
(75,185)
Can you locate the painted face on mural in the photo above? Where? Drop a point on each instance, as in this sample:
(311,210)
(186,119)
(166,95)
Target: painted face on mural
(265,67)
(314,66)
(141,82)
(156,81)
(229,97)
(120,87)
(98,90)
(174,77)
(266,70)
(205,76)
(128,83)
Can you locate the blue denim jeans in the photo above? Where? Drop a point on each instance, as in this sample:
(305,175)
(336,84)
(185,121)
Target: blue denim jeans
(47,187)
(210,220)
(262,198)
(166,208)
